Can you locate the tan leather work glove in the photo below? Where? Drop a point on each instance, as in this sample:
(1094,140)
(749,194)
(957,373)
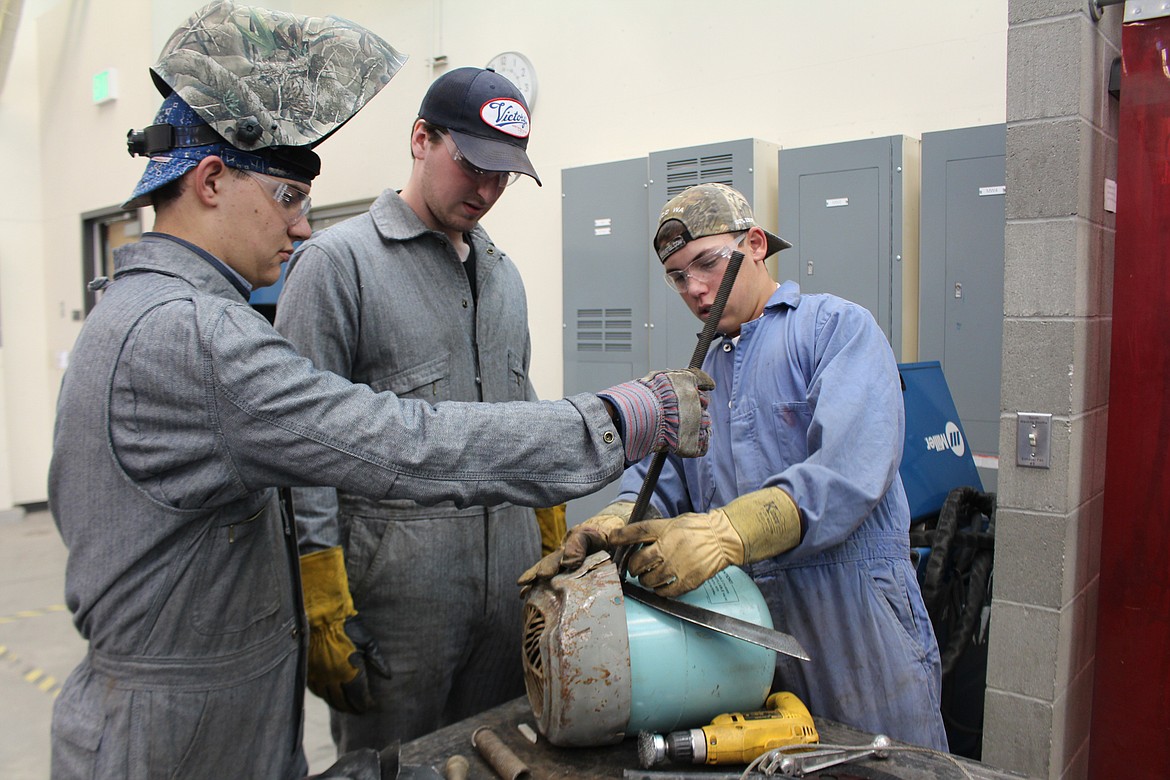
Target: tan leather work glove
(342,652)
(581,541)
(552,527)
(681,553)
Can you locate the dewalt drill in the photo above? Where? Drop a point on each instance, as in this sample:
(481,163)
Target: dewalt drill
(734,737)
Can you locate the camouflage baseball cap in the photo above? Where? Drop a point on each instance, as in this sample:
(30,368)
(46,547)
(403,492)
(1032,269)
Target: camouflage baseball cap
(706,210)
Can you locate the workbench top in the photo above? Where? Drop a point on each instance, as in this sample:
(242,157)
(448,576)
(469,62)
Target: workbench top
(548,762)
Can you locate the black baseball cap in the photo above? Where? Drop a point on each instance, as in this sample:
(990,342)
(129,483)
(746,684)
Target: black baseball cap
(486,115)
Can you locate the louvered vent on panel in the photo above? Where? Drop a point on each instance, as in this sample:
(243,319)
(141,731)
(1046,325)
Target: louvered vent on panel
(716,169)
(604,330)
(686,172)
(681,174)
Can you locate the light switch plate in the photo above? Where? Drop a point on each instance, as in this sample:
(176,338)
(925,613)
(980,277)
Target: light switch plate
(1033,439)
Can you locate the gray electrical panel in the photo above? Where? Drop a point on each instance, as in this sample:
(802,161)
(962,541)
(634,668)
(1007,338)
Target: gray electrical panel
(620,318)
(605,286)
(851,212)
(961,276)
(604,275)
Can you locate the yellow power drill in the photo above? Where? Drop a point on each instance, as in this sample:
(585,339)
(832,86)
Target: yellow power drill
(734,737)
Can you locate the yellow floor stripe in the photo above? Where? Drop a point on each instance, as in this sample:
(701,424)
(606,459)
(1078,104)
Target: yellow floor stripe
(38,677)
(25,614)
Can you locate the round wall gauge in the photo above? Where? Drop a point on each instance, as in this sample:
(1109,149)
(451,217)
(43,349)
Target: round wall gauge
(518,69)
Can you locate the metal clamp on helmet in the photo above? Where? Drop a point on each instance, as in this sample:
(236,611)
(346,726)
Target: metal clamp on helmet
(158,139)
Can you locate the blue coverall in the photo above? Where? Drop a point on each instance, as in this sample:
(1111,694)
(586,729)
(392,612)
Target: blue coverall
(808,399)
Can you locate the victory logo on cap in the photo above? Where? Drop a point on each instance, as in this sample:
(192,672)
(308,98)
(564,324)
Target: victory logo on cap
(507,116)
(486,116)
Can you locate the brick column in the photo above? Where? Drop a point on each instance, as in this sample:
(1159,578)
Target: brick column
(1061,147)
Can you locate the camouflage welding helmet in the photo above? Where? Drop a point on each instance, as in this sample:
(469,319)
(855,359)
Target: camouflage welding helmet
(260,89)
(270,78)
(706,210)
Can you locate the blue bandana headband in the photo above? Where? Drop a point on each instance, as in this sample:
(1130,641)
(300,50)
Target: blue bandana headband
(296,163)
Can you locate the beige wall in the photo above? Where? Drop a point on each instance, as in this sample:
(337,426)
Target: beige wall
(25,405)
(617,79)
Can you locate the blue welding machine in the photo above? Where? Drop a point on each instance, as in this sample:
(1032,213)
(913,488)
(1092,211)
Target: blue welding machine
(936,457)
(937,460)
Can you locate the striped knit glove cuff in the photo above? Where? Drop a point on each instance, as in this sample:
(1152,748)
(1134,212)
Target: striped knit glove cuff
(663,411)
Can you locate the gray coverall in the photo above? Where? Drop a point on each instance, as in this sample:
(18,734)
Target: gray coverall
(383,300)
(181,410)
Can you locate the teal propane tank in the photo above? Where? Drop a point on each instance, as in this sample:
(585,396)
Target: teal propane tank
(598,666)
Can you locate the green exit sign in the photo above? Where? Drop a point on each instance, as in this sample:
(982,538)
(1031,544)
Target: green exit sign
(105,86)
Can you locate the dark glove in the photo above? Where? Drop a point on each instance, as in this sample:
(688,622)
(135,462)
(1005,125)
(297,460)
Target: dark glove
(583,540)
(663,411)
(341,649)
(364,764)
(360,764)
(683,552)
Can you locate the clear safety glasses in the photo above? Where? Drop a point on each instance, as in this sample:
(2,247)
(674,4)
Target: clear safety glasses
(502,178)
(293,202)
(705,269)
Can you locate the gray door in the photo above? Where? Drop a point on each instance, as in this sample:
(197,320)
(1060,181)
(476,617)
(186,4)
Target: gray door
(841,207)
(604,246)
(961,292)
(838,237)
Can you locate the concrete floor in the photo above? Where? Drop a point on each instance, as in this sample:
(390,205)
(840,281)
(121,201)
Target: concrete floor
(39,648)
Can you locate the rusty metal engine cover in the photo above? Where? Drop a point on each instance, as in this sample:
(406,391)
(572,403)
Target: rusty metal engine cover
(577,656)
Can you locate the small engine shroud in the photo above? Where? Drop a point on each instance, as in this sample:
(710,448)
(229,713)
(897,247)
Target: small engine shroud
(577,656)
(598,666)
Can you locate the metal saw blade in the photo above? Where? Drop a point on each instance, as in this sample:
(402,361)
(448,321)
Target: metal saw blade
(717,621)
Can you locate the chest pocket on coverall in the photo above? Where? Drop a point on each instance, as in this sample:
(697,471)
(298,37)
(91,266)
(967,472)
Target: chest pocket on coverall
(518,390)
(427,381)
(790,423)
(768,440)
